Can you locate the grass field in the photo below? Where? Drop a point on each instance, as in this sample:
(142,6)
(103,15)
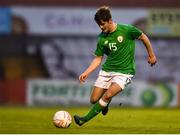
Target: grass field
(120,120)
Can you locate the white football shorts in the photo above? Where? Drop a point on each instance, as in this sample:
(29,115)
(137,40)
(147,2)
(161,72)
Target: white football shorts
(105,79)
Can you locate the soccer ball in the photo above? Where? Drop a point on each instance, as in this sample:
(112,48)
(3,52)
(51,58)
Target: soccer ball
(62,119)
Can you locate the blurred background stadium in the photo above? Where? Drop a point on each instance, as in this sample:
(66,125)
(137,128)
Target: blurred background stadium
(45,45)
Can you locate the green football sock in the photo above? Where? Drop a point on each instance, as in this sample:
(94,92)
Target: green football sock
(95,110)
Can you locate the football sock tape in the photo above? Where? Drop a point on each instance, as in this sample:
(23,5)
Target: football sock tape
(103,103)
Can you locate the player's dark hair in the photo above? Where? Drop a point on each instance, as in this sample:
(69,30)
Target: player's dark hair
(103,13)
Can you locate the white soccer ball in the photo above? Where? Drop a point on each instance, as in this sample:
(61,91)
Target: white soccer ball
(62,119)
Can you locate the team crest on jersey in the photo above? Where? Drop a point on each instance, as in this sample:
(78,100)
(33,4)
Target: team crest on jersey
(120,39)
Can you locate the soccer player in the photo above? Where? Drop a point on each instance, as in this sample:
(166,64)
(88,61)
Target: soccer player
(117,41)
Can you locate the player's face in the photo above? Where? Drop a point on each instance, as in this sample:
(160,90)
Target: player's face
(105,26)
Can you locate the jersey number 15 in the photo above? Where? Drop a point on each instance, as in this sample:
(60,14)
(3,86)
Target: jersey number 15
(112,46)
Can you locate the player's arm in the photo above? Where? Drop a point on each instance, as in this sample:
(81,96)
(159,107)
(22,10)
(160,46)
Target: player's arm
(151,56)
(94,64)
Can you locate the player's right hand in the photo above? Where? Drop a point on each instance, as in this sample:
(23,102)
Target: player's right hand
(82,78)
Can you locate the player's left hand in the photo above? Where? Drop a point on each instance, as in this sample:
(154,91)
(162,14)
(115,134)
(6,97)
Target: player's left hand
(152,60)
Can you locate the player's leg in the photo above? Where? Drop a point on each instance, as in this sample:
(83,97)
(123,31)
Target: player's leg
(98,106)
(96,95)
(111,92)
(103,81)
(119,81)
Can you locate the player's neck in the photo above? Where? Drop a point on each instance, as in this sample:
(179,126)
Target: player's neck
(113,28)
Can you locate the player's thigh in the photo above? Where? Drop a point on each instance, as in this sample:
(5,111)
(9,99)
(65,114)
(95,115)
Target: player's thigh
(96,94)
(113,90)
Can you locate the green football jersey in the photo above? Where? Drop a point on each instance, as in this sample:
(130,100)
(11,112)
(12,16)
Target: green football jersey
(119,46)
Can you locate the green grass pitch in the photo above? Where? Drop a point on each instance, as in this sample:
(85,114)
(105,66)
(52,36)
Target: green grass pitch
(120,120)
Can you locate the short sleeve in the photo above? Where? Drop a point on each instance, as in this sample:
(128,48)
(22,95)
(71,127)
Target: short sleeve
(134,31)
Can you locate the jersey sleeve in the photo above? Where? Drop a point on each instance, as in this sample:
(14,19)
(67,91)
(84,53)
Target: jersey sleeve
(99,50)
(134,31)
